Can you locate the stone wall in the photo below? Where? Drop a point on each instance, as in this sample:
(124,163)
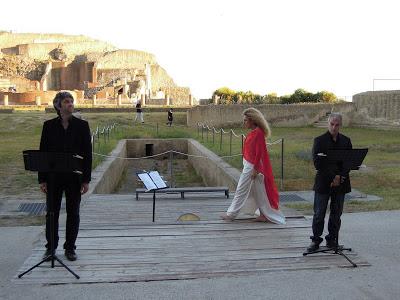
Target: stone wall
(377,106)
(9,39)
(137,148)
(11,66)
(292,115)
(160,78)
(108,174)
(125,59)
(213,169)
(179,96)
(42,51)
(30,97)
(24,85)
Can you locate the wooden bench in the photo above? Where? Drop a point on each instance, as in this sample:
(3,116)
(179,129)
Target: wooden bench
(183,190)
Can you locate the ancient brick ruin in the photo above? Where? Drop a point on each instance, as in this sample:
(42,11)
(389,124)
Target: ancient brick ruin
(33,67)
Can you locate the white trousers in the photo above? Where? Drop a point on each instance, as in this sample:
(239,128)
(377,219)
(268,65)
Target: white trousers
(251,197)
(139,115)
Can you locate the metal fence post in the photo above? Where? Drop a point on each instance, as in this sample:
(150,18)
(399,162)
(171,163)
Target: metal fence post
(220,141)
(242,145)
(230,143)
(213,130)
(282,164)
(171,168)
(157,129)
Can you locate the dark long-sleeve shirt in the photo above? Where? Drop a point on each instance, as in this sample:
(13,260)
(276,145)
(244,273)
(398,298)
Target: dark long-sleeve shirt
(325,172)
(75,139)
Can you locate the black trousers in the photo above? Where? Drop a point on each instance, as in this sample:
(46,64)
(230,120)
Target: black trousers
(336,209)
(70,184)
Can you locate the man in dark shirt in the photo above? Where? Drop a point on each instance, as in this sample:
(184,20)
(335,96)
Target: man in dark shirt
(330,182)
(65,133)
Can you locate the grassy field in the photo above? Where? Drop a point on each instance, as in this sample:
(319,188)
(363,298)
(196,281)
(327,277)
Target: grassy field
(21,130)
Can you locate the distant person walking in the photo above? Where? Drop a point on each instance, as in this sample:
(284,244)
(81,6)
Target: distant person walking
(256,193)
(170,117)
(139,113)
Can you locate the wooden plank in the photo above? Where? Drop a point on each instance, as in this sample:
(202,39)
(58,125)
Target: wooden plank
(117,243)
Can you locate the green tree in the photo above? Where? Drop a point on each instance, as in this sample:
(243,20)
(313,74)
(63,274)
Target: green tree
(325,96)
(272,98)
(225,95)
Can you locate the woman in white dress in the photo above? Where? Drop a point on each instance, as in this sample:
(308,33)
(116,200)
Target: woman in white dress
(256,193)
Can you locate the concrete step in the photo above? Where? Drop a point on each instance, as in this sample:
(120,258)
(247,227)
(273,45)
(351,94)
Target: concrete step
(322,122)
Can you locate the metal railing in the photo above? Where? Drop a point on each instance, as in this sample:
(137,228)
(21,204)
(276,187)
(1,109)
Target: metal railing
(102,135)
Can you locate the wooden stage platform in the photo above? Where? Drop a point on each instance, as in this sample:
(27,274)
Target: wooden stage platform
(117,242)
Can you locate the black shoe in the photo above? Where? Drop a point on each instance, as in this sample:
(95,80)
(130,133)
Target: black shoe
(70,255)
(47,254)
(313,246)
(331,244)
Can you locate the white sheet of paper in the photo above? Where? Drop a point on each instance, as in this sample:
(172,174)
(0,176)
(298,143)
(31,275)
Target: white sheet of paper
(147,181)
(155,176)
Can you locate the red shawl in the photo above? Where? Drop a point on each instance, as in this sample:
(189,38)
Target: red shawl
(255,151)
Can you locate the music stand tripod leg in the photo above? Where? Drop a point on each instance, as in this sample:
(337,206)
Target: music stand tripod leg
(336,250)
(339,250)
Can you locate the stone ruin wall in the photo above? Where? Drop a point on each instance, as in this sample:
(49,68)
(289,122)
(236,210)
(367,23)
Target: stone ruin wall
(106,76)
(24,55)
(290,115)
(125,59)
(378,105)
(21,66)
(161,80)
(25,85)
(43,51)
(178,95)
(9,39)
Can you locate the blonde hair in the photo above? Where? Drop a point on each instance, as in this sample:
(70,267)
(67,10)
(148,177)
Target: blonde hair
(258,119)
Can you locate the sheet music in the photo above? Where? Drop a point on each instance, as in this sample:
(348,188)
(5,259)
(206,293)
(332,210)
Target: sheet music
(155,176)
(147,181)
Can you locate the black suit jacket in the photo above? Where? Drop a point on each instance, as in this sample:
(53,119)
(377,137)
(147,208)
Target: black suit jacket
(326,174)
(76,139)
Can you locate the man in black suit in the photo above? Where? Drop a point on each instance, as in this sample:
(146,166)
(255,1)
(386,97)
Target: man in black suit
(330,182)
(65,133)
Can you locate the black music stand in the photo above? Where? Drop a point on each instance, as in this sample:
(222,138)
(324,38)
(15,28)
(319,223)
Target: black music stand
(52,163)
(342,160)
(153,182)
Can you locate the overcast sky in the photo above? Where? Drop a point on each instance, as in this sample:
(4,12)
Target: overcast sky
(262,46)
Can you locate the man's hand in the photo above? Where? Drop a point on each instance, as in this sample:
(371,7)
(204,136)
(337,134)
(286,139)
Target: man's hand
(254,174)
(43,187)
(336,181)
(84,188)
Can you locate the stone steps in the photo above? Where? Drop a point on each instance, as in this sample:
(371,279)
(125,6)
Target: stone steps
(322,123)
